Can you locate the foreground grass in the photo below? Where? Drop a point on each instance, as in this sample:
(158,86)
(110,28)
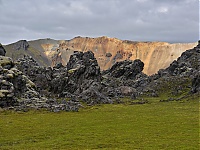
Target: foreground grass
(171,125)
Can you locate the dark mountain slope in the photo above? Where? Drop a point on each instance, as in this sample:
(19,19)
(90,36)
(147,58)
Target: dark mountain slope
(19,49)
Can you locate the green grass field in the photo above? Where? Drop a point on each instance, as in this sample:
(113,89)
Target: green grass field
(157,125)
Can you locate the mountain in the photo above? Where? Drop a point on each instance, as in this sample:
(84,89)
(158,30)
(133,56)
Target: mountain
(19,49)
(155,55)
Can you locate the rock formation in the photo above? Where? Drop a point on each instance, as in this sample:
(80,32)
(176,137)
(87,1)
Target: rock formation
(187,64)
(126,69)
(81,79)
(18,92)
(14,84)
(180,73)
(21,45)
(81,74)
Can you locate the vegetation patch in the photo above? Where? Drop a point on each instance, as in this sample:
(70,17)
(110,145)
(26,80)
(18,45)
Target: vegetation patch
(154,125)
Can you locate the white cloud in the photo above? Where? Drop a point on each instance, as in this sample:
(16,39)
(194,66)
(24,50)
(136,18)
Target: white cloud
(162,9)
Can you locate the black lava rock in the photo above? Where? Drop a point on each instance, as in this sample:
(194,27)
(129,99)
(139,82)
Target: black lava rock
(126,69)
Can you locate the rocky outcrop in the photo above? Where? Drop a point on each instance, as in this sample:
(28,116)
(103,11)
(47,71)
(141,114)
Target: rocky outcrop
(14,85)
(76,80)
(39,75)
(124,79)
(81,79)
(69,78)
(126,69)
(2,50)
(18,92)
(83,65)
(180,75)
(187,64)
(21,45)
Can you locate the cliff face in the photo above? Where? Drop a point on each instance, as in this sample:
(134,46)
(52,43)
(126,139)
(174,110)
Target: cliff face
(155,55)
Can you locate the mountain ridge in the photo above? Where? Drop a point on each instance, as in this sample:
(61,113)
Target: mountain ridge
(155,55)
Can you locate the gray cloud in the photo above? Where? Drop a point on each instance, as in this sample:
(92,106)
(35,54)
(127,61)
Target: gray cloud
(145,20)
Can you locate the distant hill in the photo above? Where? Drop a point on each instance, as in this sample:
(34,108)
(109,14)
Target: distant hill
(48,52)
(19,49)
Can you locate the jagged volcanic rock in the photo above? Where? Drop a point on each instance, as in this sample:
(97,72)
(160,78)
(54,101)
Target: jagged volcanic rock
(13,84)
(183,70)
(18,92)
(83,66)
(187,64)
(75,80)
(126,69)
(82,79)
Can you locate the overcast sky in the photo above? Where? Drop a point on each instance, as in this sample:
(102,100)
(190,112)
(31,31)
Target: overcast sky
(137,20)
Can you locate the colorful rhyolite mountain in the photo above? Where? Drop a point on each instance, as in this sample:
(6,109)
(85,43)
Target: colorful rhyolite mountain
(48,52)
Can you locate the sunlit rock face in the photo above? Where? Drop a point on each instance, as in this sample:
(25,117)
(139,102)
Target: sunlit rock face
(107,51)
(155,55)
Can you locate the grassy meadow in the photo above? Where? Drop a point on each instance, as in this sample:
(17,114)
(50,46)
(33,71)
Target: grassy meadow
(156,125)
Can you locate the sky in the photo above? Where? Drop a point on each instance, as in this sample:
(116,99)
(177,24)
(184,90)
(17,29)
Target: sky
(137,20)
